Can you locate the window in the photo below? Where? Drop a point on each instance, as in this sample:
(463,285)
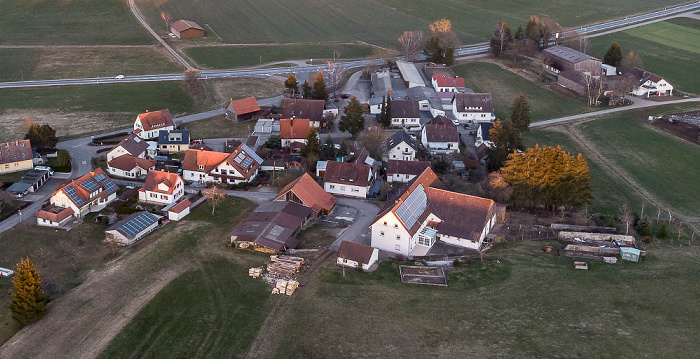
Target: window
(381,233)
(397,247)
(396,226)
(406,176)
(393,156)
(223,172)
(331,186)
(384,223)
(398,237)
(201,167)
(355,190)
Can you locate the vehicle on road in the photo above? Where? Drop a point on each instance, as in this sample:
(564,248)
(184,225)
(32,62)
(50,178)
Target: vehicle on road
(4,272)
(119,77)
(45,168)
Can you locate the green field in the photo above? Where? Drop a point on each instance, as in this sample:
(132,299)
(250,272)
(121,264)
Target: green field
(505,86)
(69,22)
(670,49)
(378,22)
(219,127)
(241,87)
(238,56)
(663,164)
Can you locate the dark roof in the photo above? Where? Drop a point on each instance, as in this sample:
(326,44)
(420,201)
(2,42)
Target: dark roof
(303,108)
(405,109)
(473,102)
(485,128)
(642,76)
(575,76)
(355,252)
(480,151)
(133,144)
(290,208)
(439,131)
(182,25)
(15,151)
(133,225)
(165,138)
(309,192)
(272,225)
(406,167)
(401,136)
(347,173)
(568,54)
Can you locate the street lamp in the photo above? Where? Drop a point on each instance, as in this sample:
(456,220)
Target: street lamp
(20,215)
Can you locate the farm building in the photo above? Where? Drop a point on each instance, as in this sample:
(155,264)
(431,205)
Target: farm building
(151,123)
(440,136)
(427,98)
(271,227)
(303,108)
(410,74)
(161,188)
(243,109)
(186,29)
(573,80)
(347,179)
(562,58)
(355,255)
(304,190)
(173,141)
(179,210)
(132,228)
(401,146)
(16,156)
(53,216)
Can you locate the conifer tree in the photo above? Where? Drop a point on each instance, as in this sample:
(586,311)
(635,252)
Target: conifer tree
(433,51)
(505,139)
(353,120)
(28,298)
(614,55)
(382,114)
(328,150)
(306,91)
(319,90)
(313,145)
(521,114)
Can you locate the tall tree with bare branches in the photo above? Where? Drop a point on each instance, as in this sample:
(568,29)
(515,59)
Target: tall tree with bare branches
(215,195)
(501,39)
(411,42)
(334,74)
(192,84)
(631,61)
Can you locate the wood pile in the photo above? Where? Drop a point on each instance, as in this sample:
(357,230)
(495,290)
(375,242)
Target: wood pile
(581,265)
(285,287)
(255,272)
(284,267)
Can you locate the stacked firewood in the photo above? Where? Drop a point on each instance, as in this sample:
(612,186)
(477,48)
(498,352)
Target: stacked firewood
(255,272)
(284,267)
(285,287)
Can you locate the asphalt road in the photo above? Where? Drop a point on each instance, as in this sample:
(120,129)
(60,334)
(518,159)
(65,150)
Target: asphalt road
(366,212)
(173,53)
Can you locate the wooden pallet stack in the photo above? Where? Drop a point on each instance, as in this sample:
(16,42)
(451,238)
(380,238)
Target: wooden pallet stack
(285,287)
(284,267)
(255,272)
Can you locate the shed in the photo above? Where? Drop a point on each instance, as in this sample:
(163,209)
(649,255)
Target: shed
(354,255)
(180,210)
(132,228)
(186,29)
(630,254)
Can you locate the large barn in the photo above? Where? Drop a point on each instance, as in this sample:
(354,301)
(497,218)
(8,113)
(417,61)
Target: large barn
(186,29)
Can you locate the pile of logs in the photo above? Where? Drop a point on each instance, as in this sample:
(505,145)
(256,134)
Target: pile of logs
(255,272)
(284,267)
(285,287)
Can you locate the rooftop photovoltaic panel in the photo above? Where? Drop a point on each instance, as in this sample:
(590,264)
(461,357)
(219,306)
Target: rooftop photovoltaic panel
(247,162)
(100,177)
(71,192)
(240,157)
(274,233)
(138,224)
(252,154)
(110,186)
(409,211)
(90,185)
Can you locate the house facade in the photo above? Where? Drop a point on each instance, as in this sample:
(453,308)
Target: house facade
(90,192)
(356,255)
(173,141)
(294,130)
(128,166)
(151,123)
(473,107)
(649,84)
(440,136)
(444,83)
(405,113)
(16,156)
(162,188)
(217,167)
(132,145)
(401,146)
(404,171)
(312,110)
(347,179)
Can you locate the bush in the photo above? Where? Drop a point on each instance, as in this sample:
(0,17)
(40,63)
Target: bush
(127,210)
(662,230)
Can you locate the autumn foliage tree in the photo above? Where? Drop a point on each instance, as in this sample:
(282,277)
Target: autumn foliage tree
(440,47)
(631,61)
(319,91)
(292,85)
(28,297)
(614,55)
(501,39)
(543,176)
(41,136)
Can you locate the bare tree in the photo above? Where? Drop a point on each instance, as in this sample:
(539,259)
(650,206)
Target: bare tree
(631,61)
(411,43)
(334,74)
(214,195)
(167,18)
(625,84)
(192,84)
(626,216)
(501,39)
(594,87)
(578,41)
(373,140)
(5,200)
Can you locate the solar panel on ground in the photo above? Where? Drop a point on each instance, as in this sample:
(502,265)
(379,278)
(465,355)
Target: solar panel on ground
(409,211)
(110,186)
(90,185)
(71,192)
(138,224)
(100,177)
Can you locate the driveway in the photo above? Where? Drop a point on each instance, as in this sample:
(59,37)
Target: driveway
(366,212)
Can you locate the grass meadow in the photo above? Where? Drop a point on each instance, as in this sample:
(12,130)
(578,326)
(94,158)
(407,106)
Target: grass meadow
(219,127)
(670,49)
(505,86)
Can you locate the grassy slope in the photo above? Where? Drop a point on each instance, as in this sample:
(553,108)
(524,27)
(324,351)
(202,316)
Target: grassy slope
(532,304)
(73,22)
(504,86)
(677,65)
(229,57)
(665,165)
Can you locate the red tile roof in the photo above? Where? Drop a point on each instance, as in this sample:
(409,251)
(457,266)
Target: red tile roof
(182,25)
(310,193)
(156,119)
(82,193)
(445,81)
(15,151)
(354,174)
(245,106)
(180,206)
(241,155)
(54,213)
(193,159)
(355,252)
(297,128)
(129,163)
(155,178)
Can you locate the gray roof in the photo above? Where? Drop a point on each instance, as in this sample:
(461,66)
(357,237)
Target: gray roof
(381,83)
(164,137)
(19,187)
(568,54)
(133,225)
(133,144)
(469,102)
(401,136)
(409,72)
(405,109)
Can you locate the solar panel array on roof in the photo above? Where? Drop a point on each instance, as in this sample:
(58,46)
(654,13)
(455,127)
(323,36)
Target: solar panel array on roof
(138,224)
(71,192)
(252,154)
(90,185)
(247,162)
(100,177)
(409,211)
(240,157)
(110,186)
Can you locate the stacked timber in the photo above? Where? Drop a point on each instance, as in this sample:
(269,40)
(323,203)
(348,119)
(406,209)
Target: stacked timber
(255,272)
(284,267)
(285,287)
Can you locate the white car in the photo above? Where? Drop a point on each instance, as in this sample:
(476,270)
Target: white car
(51,172)
(119,77)
(4,272)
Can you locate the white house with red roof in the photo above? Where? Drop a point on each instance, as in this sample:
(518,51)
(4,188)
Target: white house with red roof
(151,123)
(162,188)
(426,213)
(444,83)
(88,193)
(348,179)
(217,167)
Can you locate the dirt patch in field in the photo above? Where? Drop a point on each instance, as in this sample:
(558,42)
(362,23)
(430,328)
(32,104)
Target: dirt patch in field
(237,88)
(13,122)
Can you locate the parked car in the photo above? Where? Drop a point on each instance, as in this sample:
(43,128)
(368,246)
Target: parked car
(47,168)
(4,272)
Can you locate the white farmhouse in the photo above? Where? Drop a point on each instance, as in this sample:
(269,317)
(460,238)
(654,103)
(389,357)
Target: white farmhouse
(444,83)
(473,107)
(217,167)
(649,84)
(150,123)
(347,179)
(401,146)
(162,188)
(405,113)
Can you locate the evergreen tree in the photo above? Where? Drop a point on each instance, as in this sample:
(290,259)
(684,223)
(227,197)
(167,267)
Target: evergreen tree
(505,139)
(313,145)
(328,150)
(433,51)
(614,55)
(291,84)
(382,114)
(388,109)
(519,34)
(353,119)
(41,136)
(319,90)
(449,56)
(343,150)
(521,114)
(306,90)
(28,298)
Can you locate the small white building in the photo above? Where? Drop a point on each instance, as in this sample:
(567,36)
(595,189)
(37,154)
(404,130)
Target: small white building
(609,70)
(649,84)
(473,107)
(53,216)
(405,113)
(347,179)
(440,136)
(444,83)
(132,228)
(162,188)
(151,123)
(356,255)
(180,210)
(401,146)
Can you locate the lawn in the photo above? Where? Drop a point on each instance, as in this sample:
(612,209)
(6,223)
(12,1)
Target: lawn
(219,57)
(72,22)
(669,49)
(18,64)
(238,88)
(315,237)
(663,164)
(219,127)
(505,86)
(521,303)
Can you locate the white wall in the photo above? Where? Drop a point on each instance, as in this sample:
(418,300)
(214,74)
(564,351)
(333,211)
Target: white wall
(135,173)
(287,142)
(399,178)
(402,152)
(413,121)
(178,216)
(384,237)
(472,117)
(346,190)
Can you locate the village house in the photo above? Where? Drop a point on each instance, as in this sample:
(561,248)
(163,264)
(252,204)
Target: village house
(128,166)
(561,58)
(648,84)
(271,228)
(428,100)
(217,167)
(426,213)
(16,156)
(405,113)
(132,145)
(151,123)
(473,107)
(483,133)
(132,228)
(440,136)
(401,146)
(305,191)
(404,171)
(347,179)
(89,193)
(173,141)
(243,109)
(312,110)
(356,255)
(53,216)
(186,29)
(444,83)
(294,131)
(162,188)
